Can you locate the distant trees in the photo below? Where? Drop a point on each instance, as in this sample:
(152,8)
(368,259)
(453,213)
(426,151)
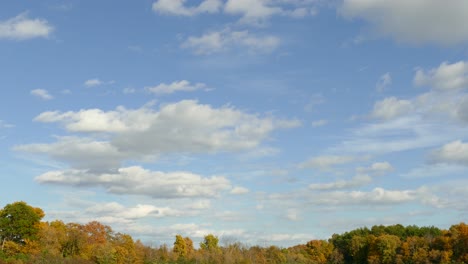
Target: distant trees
(27,240)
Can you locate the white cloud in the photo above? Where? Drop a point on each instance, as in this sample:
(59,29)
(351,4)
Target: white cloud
(377,168)
(82,153)
(113,210)
(93,82)
(445,77)
(218,41)
(319,123)
(129,90)
(455,152)
(356,181)
(292,214)
(138,181)
(21,27)
(327,162)
(391,107)
(144,133)
(376,197)
(364,176)
(239,190)
(435,170)
(96,120)
(177,7)
(413,21)
(176,87)
(41,93)
(384,81)
(251,10)
(4,124)
(258,11)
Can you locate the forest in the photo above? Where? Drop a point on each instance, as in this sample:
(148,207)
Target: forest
(26,239)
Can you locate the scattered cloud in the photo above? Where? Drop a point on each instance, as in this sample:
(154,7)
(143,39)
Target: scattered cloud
(219,41)
(257,12)
(4,124)
(384,81)
(176,86)
(129,90)
(138,134)
(435,170)
(114,212)
(375,197)
(413,21)
(391,107)
(328,162)
(138,181)
(96,82)
(356,181)
(239,190)
(319,123)
(455,152)
(445,77)
(253,12)
(364,176)
(376,169)
(81,153)
(21,28)
(41,93)
(93,82)
(177,7)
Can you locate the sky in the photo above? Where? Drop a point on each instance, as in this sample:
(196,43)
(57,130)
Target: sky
(269,122)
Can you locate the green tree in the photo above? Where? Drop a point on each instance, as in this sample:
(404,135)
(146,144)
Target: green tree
(19,222)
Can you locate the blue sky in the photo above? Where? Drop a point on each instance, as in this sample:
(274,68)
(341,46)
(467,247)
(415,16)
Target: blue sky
(263,121)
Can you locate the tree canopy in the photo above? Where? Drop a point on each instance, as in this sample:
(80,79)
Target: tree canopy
(27,240)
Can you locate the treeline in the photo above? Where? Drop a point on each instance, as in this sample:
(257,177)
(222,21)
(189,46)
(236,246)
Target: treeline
(25,239)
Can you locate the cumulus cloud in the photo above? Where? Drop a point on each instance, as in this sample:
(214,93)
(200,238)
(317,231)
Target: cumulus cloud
(455,152)
(391,107)
(114,212)
(176,86)
(82,153)
(413,21)
(41,93)
(445,77)
(21,28)
(138,181)
(218,41)
(178,7)
(145,133)
(251,11)
(384,81)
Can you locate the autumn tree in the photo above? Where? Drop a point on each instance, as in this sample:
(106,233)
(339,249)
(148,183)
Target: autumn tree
(319,250)
(19,222)
(180,247)
(460,242)
(210,243)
